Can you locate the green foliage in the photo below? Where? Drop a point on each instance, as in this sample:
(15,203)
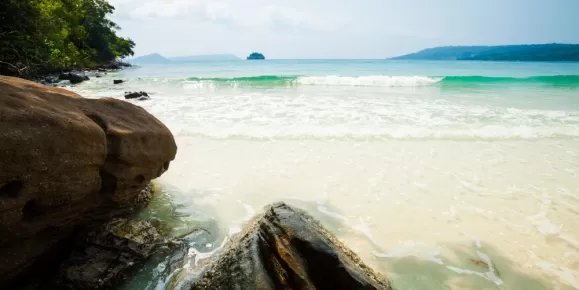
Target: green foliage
(50,35)
(256,55)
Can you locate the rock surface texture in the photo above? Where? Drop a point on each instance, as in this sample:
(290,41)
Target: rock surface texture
(287,249)
(64,161)
(102,256)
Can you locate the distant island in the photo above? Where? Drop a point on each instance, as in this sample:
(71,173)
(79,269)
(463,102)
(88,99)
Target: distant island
(154,58)
(530,52)
(256,55)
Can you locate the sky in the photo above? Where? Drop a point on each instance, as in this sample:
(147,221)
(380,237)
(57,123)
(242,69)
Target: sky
(296,29)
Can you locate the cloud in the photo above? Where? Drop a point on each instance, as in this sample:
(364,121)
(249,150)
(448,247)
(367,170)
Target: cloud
(249,13)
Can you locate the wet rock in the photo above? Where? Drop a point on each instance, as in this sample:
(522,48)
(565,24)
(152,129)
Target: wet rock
(137,95)
(162,268)
(116,82)
(287,249)
(102,257)
(74,78)
(67,161)
(49,80)
(115,65)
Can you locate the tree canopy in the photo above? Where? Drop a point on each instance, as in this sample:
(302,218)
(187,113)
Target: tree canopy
(50,35)
(256,55)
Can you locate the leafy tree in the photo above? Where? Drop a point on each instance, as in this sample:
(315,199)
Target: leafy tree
(38,36)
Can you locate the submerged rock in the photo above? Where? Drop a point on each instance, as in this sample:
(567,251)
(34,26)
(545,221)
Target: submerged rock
(287,249)
(66,161)
(137,95)
(74,78)
(116,82)
(103,256)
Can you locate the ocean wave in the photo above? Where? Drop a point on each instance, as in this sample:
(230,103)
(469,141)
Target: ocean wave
(489,133)
(381,81)
(330,80)
(369,81)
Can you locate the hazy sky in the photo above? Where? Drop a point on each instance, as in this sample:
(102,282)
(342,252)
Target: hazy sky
(339,28)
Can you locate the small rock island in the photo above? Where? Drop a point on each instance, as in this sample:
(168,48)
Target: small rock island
(255,55)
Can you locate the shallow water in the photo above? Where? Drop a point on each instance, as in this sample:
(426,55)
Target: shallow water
(437,183)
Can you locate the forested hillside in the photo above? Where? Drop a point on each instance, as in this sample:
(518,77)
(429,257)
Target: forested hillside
(531,52)
(39,36)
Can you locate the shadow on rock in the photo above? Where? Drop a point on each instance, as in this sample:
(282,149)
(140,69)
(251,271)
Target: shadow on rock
(102,256)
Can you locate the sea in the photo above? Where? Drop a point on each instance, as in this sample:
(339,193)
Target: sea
(438,174)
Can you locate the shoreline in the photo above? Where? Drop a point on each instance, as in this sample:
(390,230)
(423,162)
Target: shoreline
(86,229)
(53,78)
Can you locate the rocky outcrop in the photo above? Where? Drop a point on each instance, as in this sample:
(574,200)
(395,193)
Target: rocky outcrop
(115,65)
(137,95)
(65,161)
(287,249)
(74,78)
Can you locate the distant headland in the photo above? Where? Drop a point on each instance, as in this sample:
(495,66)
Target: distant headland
(256,55)
(529,52)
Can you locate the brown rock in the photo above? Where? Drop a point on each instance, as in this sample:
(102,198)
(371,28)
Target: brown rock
(65,160)
(287,249)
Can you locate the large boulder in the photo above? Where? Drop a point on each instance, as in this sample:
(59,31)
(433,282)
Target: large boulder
(74,78)
(287,249)
(66,161)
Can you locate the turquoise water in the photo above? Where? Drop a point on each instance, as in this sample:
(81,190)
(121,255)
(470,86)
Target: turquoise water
(424,168)
(358,68)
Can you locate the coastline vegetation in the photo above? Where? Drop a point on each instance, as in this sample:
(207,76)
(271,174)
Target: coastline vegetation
(255,55)
(44,36)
